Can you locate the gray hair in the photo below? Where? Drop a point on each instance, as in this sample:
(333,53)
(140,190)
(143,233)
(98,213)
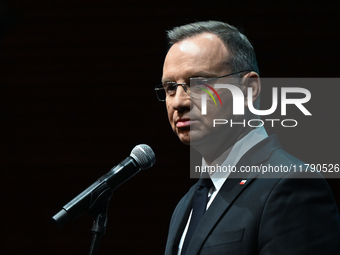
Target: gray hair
(242,52)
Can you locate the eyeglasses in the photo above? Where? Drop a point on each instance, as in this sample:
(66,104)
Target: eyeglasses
(170,88)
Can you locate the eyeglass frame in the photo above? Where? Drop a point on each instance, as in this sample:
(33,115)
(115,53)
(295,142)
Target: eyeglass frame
(185,86)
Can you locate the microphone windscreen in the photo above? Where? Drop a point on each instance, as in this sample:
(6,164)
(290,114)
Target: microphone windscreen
(144,156)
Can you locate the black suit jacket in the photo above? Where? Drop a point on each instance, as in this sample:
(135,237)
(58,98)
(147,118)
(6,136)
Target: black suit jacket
(271,214)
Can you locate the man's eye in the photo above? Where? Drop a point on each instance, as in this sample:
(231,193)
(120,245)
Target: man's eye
(170,87)
(197,82)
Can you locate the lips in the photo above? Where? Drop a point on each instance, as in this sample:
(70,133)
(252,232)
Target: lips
(185,122)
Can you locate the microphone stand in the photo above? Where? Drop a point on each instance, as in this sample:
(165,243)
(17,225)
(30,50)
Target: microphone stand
(98,230)
(99,213)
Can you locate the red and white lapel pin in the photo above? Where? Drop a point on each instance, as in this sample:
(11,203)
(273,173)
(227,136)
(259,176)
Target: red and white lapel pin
(243,182)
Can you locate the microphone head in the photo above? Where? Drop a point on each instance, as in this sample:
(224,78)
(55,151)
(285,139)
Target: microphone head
(144,156)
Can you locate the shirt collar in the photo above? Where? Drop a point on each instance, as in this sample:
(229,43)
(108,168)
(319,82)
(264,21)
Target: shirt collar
(231,156)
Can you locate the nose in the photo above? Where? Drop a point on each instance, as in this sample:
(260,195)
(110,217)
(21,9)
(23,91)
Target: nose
(181,100)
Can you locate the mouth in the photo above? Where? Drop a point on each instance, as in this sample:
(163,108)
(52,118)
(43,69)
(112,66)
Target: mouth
(183,122)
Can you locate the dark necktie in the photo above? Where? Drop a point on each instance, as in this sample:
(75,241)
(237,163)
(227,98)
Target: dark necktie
(198,209)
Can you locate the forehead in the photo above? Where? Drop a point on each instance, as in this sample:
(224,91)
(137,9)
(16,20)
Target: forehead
(202,54)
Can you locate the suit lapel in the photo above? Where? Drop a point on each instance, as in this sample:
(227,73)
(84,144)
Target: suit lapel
(179,221)
(230,191)
(224,198)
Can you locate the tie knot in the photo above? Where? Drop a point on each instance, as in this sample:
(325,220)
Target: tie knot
(205,182)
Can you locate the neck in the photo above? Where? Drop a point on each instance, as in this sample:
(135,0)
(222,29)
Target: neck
(214,149)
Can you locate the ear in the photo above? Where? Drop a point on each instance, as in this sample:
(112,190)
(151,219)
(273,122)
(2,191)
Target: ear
(252,80)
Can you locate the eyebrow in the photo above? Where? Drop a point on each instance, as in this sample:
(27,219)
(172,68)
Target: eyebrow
(198,74)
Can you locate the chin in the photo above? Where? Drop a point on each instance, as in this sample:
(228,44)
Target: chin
(184,137)
(186,142)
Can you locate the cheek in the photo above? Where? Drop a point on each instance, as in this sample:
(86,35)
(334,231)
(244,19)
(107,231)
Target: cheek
(170,112)
(195,103)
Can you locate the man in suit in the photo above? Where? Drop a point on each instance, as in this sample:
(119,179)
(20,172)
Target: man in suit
(275,213)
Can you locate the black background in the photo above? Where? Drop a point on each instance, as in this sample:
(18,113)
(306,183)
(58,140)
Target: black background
(76,90)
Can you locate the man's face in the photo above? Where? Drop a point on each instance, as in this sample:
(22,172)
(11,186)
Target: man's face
(204,55)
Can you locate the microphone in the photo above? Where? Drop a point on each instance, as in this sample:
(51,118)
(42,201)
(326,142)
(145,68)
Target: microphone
(141,157)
